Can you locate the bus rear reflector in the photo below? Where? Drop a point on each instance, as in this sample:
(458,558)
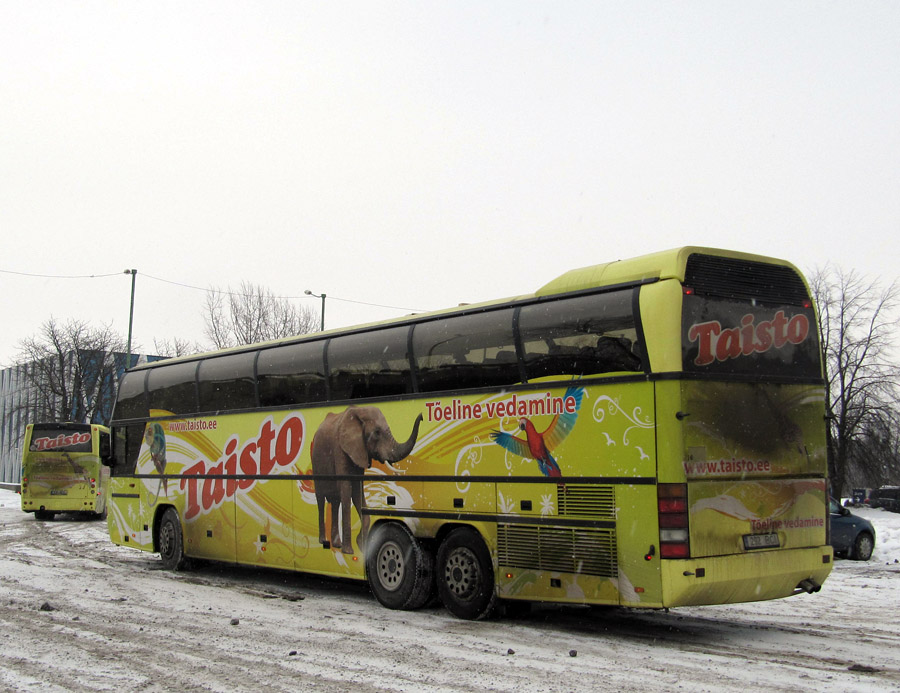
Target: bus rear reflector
(674,519)
(674,551)
(672,505)
(674,530)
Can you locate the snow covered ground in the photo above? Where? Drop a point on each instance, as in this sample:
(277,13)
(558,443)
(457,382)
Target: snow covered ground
(80,614)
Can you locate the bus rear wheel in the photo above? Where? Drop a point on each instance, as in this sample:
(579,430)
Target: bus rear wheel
(465,575)
(43,515)
(170,541)
(399,569)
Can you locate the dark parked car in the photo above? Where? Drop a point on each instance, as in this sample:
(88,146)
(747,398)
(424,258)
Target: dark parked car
(851,536)
(887,497)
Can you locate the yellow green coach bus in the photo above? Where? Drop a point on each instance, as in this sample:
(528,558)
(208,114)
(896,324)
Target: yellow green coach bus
(644,433)
(64,469)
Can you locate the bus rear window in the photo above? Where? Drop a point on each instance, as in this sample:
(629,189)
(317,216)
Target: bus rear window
(60,439)
(748,318)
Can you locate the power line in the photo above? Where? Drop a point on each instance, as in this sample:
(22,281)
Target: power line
(200,288)
(61,276)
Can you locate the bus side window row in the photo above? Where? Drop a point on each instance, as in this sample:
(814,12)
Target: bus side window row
(577,336)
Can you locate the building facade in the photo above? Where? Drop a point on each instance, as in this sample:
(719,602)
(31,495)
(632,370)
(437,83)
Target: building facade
(85,394)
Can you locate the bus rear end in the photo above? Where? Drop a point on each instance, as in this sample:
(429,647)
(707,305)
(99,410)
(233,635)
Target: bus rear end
(742,496)
(63,469)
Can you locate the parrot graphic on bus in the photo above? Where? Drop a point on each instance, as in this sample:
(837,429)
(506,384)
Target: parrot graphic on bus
(155,440)
(538,445)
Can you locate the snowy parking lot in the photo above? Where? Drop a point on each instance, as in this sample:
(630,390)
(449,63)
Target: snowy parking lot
(80,614)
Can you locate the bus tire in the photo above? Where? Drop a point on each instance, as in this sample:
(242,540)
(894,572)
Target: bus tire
(170,541)
(399,569)
(465,575)
(43,515)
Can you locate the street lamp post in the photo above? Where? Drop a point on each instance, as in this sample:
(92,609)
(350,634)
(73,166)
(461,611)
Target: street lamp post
(322,296)
(133,273)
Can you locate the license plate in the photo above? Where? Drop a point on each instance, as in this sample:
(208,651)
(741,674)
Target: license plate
(761,541)
(59,492)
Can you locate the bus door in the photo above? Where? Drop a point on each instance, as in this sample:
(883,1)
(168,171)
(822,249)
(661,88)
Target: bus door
(125,517)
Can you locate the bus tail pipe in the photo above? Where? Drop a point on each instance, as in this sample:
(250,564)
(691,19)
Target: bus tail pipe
(809,586)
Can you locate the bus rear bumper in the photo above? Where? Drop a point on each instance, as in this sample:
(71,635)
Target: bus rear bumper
(64,504)
(746,577)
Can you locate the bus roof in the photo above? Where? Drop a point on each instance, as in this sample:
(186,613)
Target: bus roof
(666,264)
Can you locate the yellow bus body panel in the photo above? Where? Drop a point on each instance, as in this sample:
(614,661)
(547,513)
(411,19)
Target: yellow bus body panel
(742,578)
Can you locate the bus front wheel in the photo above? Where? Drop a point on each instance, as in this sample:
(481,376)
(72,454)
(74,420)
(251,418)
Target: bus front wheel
(465,575)
(171,541)
(399,569)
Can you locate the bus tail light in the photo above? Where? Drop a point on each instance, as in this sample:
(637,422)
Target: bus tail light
(674,531)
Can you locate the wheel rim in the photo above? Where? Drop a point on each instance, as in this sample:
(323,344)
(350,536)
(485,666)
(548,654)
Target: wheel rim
(865,547)
(390,566)
(166,540)
(461,573)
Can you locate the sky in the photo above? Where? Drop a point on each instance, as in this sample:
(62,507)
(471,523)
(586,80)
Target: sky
(407,156)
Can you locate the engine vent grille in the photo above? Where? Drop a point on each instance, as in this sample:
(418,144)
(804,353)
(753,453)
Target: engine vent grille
(744,280)
(558,549)
(586,500)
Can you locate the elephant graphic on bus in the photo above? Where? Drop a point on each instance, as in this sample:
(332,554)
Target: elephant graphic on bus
(345,445)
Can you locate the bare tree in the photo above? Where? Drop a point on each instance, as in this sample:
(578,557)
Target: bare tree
(875,455)
(176,347)
(858,332)
(252,314)
(71,371)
